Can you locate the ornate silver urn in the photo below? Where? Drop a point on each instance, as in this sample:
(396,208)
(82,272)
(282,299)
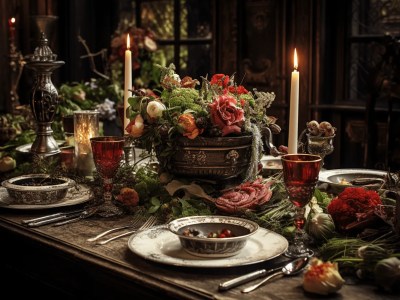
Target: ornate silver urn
(44,97)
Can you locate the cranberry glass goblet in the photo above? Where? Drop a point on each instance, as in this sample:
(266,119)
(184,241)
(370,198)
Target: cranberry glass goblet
(108,152)
(300,176)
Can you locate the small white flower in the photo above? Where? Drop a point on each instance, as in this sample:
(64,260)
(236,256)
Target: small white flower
(155,109)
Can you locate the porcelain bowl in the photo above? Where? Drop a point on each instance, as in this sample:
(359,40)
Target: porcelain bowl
(199,227)
(37,188)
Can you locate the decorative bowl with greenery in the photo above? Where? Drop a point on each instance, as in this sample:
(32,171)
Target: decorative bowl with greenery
(186,108)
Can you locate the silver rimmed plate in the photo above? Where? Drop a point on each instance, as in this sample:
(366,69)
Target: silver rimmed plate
(74,196)
(271,165)
(27,147)
(160,245)
(339,179)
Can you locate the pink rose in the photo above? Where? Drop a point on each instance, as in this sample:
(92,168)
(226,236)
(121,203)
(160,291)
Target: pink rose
(135,127)
(226,115)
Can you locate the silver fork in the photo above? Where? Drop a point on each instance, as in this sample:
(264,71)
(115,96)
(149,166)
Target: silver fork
(135,222)
(152,220)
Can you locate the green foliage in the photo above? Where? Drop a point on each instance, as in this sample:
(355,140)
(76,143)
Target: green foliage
(86,95)
(183,98)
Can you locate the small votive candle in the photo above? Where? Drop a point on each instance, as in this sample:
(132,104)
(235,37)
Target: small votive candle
(86,126)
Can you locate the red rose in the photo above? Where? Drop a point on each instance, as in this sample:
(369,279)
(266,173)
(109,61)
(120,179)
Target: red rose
(226,115)
(220,79)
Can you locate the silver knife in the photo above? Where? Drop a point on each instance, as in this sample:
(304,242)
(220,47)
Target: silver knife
(50,216)
(245,278)
(54,220)
(85,214)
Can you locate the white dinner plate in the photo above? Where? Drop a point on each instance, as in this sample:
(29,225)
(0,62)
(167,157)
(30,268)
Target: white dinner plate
(74,196)
(160,245)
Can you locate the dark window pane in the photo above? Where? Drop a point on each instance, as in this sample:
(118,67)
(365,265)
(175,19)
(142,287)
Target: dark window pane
(195,60)
(159,17)
(196,17)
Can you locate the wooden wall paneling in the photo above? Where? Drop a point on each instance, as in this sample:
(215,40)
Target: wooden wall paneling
(261,53)
(300,37)
(227,36)
(5,13)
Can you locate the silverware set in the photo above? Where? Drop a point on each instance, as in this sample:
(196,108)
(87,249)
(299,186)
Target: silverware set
(139,222)
(291,268)
(61,218)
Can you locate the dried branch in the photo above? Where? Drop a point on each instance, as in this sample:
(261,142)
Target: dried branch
(91,56)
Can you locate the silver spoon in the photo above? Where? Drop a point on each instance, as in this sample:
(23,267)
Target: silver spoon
(291,268)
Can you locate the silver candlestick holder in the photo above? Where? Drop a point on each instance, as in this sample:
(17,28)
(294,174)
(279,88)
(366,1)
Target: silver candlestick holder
(44,97)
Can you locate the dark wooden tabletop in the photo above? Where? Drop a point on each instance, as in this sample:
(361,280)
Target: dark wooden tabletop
(59,262)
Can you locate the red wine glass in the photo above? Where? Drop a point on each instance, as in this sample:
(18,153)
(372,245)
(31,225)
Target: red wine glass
(300,176)
(107,155)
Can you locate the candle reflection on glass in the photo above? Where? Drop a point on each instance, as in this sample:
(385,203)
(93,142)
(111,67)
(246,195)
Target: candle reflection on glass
(11,24)
(294,108)
(86,126)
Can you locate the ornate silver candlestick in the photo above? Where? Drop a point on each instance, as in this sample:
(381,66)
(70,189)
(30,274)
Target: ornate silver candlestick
(44,97)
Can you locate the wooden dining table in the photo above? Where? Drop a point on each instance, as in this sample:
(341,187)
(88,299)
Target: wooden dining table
(61,263)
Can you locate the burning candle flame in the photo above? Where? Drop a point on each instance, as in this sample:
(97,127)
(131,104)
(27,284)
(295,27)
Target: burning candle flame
(295,59)
(128,42)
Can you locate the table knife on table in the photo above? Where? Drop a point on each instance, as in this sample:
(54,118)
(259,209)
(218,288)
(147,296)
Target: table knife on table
(246,278)
(46,221)
(51,216)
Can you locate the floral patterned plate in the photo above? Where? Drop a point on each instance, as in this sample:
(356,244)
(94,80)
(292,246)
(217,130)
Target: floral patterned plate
(160,245)
(74,196)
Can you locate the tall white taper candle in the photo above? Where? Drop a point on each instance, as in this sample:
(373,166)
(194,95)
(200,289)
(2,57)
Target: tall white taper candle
(294,108)
(128,80)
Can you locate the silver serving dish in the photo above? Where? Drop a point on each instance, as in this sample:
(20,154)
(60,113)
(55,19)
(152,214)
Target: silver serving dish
(339,179)
(37,188)
(271,165)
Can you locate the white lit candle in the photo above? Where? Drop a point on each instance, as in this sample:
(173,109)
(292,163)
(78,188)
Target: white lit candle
(294,108)
(128,80)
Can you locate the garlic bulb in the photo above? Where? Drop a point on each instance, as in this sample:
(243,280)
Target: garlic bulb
(321,226)
(387,273)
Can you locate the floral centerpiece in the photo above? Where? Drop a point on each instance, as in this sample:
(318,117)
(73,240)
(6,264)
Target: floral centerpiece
(190,110)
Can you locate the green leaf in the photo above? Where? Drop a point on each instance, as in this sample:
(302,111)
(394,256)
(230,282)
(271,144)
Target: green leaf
(153,209)
(155,201)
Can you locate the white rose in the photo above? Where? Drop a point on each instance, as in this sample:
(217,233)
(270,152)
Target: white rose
(155,109)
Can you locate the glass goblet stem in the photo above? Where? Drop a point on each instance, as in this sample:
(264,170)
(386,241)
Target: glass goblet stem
(108,184)
(298,248)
